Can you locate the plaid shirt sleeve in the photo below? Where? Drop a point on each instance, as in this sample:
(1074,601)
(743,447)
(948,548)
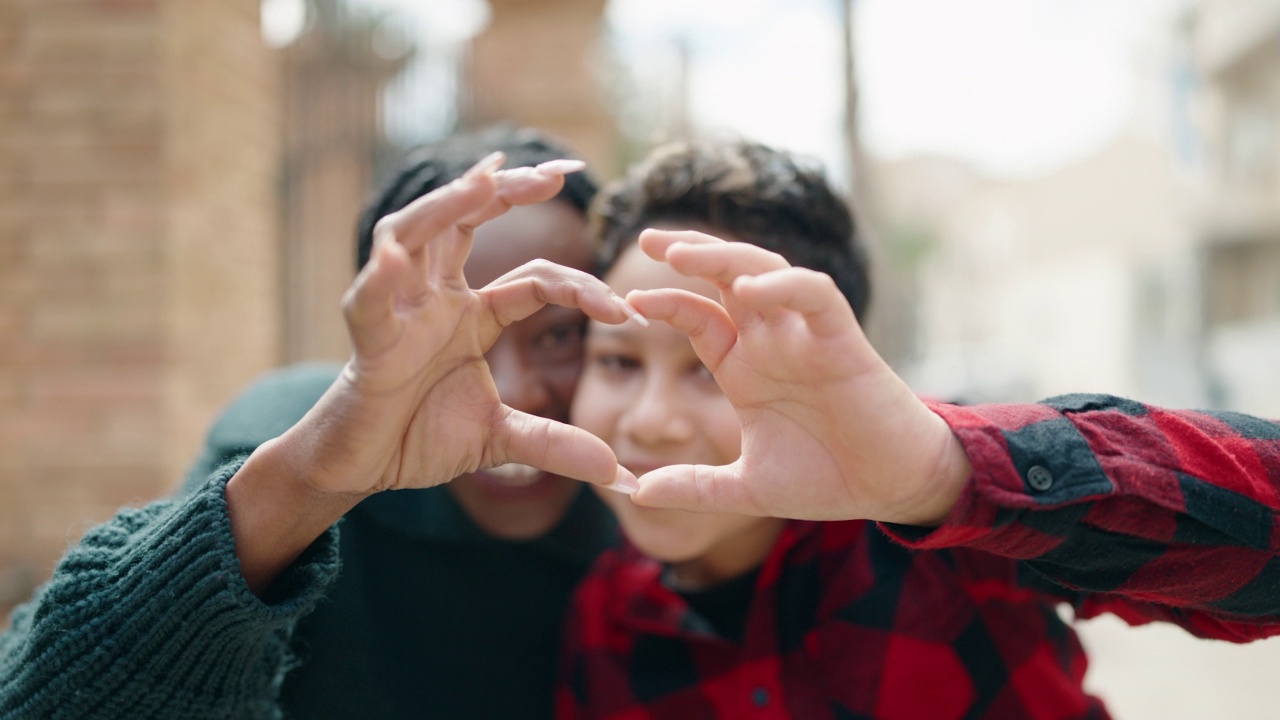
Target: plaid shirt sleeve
(1142,511)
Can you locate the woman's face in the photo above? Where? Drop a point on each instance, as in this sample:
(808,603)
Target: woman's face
(535,365)
(645,392)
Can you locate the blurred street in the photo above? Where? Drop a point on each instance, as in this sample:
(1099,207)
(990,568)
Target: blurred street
(1156,671)
(1062,196)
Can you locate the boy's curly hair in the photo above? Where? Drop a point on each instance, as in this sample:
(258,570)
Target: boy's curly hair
(744,189)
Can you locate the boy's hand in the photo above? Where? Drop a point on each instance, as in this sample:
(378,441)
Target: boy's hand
(828,430)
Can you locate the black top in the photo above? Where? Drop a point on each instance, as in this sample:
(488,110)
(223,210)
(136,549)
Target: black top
(725,606)
(429,616)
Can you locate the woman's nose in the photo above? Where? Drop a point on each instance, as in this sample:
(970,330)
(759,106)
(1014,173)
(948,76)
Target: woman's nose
(520,384)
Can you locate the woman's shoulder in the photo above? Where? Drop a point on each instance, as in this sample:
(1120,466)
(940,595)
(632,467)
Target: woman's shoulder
(272,404)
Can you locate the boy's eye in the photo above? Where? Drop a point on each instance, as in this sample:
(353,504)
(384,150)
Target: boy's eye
(615,363)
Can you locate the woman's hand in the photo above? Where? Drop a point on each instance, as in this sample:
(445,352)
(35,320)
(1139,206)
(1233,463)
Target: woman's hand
(416,406)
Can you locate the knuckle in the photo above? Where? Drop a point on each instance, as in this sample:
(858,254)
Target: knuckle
(824,279)
(540,266)
(810,276)
(385,228)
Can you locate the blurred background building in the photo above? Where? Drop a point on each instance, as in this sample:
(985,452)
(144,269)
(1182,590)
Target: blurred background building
(1234,47)
(179,185)
(1146,268)
(140,259)
(1060,196)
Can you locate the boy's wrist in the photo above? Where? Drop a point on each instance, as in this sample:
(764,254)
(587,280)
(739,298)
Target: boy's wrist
(943,483)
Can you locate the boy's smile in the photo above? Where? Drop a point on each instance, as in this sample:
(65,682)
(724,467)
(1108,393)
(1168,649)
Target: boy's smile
(646,393)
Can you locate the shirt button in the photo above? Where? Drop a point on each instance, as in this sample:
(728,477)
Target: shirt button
(760,697)
(1039,478)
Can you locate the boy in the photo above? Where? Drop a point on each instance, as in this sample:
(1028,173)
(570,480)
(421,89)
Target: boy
(736,615)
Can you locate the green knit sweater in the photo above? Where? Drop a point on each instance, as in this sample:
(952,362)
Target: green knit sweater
(149,617)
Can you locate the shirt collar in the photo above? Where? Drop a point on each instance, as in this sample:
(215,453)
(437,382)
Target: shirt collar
(648,605)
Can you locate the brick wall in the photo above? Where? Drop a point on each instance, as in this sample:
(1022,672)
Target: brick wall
(534,64)
(143,278)
(223,275)
(333,81)
(139,276)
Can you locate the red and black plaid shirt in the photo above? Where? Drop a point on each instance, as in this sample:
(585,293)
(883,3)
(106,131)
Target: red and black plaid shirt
(1099,502)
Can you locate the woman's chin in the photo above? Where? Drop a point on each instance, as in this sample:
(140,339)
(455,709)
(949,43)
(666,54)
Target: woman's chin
(514,502)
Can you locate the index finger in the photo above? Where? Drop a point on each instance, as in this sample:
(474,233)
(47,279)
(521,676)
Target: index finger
(518,186)
(527,289)
(710,329)
(481,194)
(432,214)
(708,257)
(525,186)
(656,242)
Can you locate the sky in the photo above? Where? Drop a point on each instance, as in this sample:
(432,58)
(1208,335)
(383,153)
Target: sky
(1017,87)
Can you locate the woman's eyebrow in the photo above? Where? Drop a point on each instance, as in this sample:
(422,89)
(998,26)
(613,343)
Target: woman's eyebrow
(599,329)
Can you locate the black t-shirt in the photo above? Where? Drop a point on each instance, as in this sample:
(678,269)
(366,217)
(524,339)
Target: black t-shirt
(440,624)
(725,606)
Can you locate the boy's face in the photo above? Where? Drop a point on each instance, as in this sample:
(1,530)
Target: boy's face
(535,365)
(645,392)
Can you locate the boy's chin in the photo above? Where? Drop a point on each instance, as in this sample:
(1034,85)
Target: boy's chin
(663,550)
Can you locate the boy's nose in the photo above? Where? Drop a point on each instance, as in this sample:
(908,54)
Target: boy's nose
(658,415)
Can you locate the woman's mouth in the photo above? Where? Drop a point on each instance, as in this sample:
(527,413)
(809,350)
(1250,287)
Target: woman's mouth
(514,475)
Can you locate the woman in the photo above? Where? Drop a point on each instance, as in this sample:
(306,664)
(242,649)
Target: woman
(449,598)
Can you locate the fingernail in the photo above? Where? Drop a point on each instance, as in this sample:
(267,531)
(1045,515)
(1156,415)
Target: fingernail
(491,162)
(630,311)
(624,482)
(560,167)
(516,172)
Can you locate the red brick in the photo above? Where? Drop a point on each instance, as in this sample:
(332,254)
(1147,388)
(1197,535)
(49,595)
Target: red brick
(138,245)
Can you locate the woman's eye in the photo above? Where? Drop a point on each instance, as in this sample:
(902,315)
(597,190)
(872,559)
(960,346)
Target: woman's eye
(559,337)
(704,373)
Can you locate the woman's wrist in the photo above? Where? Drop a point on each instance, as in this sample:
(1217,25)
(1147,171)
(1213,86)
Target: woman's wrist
(276,513)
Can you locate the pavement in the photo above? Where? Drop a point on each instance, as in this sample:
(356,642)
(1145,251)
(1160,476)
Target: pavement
(1161,671)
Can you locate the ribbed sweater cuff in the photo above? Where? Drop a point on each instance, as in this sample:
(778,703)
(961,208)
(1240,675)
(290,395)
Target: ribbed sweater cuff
(149,616)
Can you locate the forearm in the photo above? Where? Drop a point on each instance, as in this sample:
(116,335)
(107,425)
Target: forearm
(1108,495)
(275,513)
(148,617)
